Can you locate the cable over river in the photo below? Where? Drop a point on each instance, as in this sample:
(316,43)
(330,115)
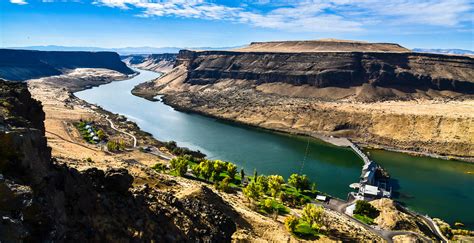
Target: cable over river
(430,186)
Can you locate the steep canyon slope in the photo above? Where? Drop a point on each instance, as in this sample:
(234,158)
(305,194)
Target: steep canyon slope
(153,62)
(42,200)
(377,94)
(20,65)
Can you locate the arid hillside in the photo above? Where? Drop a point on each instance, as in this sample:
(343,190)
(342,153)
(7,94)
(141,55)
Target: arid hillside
(20,65)
(154,62)
(377,94)
(324,45)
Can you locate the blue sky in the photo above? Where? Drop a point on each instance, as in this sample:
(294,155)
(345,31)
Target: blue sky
(213,23)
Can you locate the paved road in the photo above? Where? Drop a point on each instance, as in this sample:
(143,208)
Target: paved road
(387,235)
(160,154)
(126,133)
(428,221)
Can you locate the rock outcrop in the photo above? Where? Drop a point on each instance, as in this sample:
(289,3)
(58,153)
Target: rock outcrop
(400,73)
(379,95)
(153,62)
(20,65)
(44,201)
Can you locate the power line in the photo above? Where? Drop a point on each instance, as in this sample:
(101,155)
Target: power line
(305,156)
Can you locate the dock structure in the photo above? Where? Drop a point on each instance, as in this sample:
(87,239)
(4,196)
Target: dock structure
(372,183)
(359,152)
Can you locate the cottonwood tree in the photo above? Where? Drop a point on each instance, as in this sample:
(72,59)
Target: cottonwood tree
(253,191)
(313,215)
(263,182)
(180,165)
(300,182)
(206,169)
(231,170)
(274,184)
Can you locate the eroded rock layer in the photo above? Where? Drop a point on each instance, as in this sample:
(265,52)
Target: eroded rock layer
(153,62)
(20,65)
(405,72)
(397,100)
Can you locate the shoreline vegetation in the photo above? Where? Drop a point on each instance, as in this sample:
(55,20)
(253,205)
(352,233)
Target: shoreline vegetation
(270,195)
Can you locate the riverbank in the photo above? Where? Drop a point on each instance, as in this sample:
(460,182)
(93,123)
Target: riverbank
(325,137)
(440,128)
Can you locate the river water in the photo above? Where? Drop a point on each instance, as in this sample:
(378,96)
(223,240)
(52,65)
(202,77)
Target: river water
(435,187)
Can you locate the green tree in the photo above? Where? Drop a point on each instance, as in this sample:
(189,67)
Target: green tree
(242,175)
(300,182)
(365,208)
(255,175)
(274,184)
(218,167)
(101,134)
(112,146)
(224,185)
(291,222)
(312,214)
(206,169)
(253,191)
(180,165)
(196,170)
(231,170)
(121,145)
(263,182)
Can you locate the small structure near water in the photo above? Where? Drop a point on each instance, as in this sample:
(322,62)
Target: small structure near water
(374,180)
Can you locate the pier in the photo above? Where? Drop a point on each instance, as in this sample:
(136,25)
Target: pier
(373,182)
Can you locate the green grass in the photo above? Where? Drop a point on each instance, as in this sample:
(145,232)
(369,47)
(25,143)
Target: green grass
(364,219)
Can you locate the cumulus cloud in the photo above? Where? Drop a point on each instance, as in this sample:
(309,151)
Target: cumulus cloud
(20,2)
(310,15)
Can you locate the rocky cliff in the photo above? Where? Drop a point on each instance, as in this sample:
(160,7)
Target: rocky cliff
(377,94)
(44,201)
(404,73)
(154,62)
(19,65)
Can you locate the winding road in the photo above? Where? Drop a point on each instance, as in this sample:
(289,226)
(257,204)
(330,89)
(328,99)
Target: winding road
(126,133)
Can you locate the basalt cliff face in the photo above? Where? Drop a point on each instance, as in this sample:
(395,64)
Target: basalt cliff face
(44,201)
(154,62)
(390,75)
(376,94)
(20,65)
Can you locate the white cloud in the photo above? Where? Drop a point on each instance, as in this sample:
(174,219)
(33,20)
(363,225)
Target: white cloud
(20,2)
(311,15)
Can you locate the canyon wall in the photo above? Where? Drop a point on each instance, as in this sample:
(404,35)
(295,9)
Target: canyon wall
(20,65)
(403,72)
(398,100)
(153,62)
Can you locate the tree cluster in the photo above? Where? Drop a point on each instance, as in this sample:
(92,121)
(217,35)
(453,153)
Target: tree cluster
(366,209)
(300,182)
